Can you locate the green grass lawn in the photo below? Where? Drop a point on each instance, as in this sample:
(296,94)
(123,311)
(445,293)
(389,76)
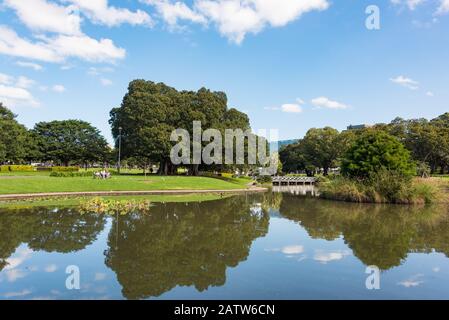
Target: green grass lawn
(76,201)
(38,182)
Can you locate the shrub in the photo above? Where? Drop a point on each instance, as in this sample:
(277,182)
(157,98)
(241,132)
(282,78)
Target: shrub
(392,186)
(65,169)
(43,169)
(375,151)
(384,187)
(323,179)
(343,189)
(16,168)
(264,179)
(71,174)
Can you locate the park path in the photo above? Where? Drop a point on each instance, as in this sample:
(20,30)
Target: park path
(124,193)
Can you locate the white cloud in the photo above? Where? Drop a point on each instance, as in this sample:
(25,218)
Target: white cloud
(430,94)
(412,281)
(58,48)
(323,102)
(31,65)
(295,107)
(100,12)
(41,15)
(13,45)
(295,249)
(51,268)
(24,82)
(21,255)
(291,108)
(236,18)
(444,7)
(172,12)
(105,82)
(22,293)
(411,4)
(14,93)
(99,276)
(86,48)
(58,88)
(14,97)
(406,82)
(66,67)
(325,257)
(94,71)
(5,79)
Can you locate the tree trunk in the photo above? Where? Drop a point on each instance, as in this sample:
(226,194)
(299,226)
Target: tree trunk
(166,168)
(432,168)
(194,170)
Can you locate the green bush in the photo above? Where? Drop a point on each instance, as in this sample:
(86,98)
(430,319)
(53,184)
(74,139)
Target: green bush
(43,169)
(382,187)
(375,151)
(65,169)
(16,168)
(71,174)
(264,179)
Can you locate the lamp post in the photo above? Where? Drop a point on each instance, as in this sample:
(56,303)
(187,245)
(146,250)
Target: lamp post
(119,147)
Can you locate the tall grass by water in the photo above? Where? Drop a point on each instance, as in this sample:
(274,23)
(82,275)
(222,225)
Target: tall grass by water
(385,187)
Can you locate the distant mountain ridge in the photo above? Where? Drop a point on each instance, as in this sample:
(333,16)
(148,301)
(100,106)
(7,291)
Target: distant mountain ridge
(275,146)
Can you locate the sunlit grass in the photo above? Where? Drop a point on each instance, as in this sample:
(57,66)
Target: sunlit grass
(39,182)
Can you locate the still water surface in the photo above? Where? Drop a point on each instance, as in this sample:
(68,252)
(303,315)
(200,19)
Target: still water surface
(269,246)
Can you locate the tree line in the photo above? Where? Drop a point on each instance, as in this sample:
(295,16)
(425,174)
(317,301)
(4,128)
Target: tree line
(60,142)
(322,149)
(142,124)
(150,112)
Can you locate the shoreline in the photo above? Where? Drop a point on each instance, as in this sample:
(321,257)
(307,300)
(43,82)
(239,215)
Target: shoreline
(6,197)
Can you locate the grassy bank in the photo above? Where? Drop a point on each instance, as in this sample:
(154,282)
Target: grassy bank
(76,201)
(13,183)
(389,190)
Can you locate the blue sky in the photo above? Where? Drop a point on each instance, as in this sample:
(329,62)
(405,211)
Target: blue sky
(290,64)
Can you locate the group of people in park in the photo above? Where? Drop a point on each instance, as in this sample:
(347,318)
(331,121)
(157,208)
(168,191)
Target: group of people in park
(103,174)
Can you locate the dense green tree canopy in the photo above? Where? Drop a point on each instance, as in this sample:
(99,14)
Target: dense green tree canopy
(319,149)
(16,143)
(376,150)
(151,111)
(70,141)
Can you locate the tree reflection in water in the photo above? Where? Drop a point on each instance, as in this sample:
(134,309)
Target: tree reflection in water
(183,245)
(194,244)
(381,235)
(50,230)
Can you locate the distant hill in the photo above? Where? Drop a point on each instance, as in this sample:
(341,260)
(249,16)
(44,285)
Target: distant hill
(281,143)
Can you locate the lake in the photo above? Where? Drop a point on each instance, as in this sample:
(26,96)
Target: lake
(264,246)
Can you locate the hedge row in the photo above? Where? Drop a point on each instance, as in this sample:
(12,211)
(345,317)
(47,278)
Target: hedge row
(16,168)
(27,168)
(65,169)
(71,174)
